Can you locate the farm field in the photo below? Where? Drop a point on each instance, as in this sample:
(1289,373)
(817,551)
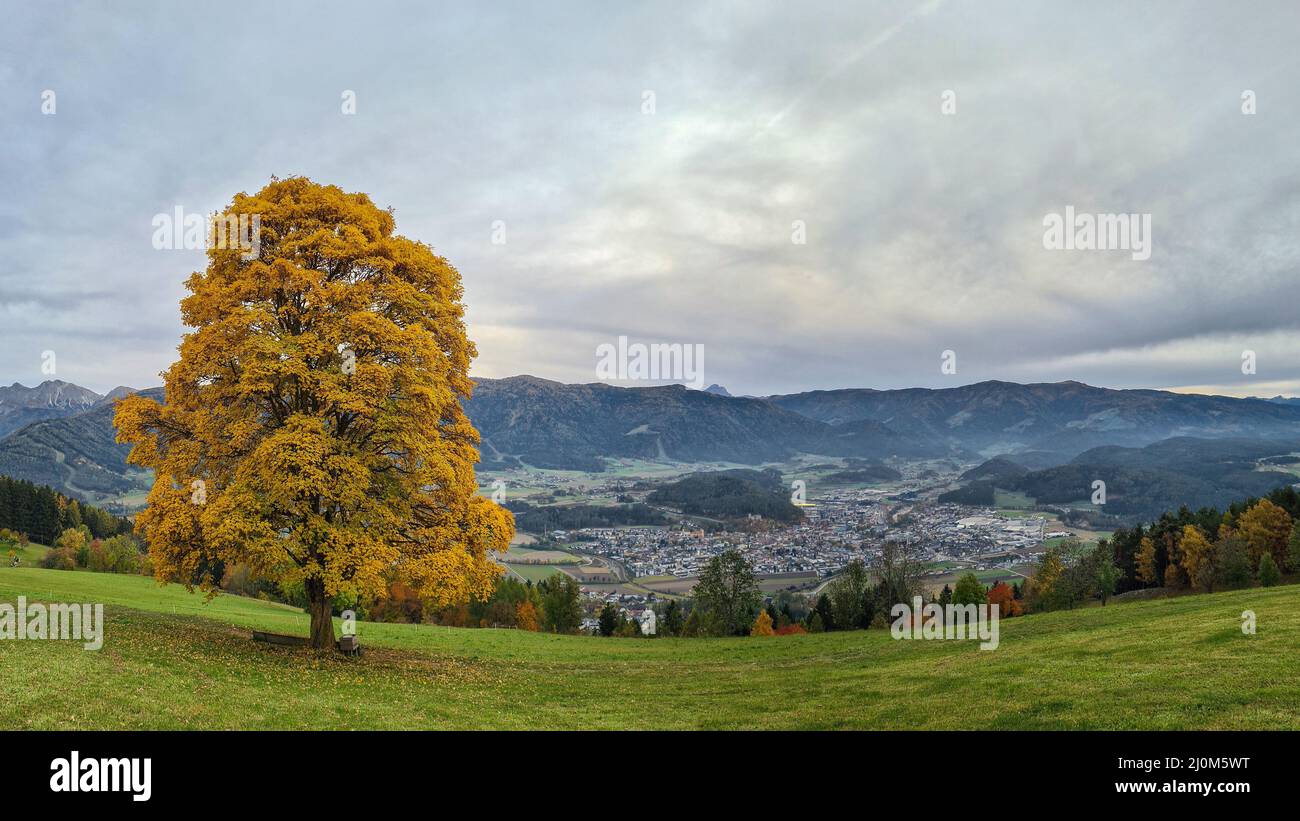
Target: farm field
(525,555)
(534,572)
(770,583)
(1011,575)
(173,660)
(1012,500)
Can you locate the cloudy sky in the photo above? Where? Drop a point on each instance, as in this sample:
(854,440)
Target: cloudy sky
(652,163)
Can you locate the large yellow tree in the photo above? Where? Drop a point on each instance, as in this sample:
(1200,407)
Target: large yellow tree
(312,428)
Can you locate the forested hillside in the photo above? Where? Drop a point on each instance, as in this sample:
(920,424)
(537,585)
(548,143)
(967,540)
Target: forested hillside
(41,514)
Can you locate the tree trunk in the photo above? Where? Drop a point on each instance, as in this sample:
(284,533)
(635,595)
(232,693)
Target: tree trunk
(322,618)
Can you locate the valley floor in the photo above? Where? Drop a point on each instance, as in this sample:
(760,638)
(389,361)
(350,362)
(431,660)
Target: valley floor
(172,661)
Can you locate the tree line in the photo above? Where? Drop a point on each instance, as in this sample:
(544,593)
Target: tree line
(553,605)
(1252,541)
(41,513)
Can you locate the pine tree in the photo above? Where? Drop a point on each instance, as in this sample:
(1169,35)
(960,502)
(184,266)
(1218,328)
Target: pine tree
(610,619)
(826,612)
(692,626)
(1232,566)
(1293,549)
(672,619)
(1268,572)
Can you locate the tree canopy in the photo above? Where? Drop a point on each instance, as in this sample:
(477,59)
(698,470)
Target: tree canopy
(313,426)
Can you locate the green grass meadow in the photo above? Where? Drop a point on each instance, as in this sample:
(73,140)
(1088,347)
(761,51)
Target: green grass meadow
(29,555)
(172,660)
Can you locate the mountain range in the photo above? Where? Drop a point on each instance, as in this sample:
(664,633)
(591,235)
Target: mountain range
(74,453)
(61,435)
(1067,418)
(55,399)
(553,425)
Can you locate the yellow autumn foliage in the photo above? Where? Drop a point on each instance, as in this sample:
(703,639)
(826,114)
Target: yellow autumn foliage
(313,426)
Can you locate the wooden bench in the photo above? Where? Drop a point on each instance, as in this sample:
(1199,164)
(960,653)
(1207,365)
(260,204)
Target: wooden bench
(347,644)
(280,639)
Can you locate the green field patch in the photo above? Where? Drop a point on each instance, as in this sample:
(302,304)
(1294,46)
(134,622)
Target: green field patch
(29,555)
(519,554)
(534,572)
(1013,501)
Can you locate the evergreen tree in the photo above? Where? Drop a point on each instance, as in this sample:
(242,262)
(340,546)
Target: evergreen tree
(561,603)
(825,612)
(945,595)
(1293,549)
(610,619)
(692,626)
(672,619)
(1268,572)
(1232,564)
(41,514)
(787,615)
(1107,574)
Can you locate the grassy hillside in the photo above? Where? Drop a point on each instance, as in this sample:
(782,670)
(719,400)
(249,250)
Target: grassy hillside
(28,556)
(170,660)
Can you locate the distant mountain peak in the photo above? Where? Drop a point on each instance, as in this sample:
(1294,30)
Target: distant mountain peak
(717,389)
(50,393)
(120,392)
(54,398)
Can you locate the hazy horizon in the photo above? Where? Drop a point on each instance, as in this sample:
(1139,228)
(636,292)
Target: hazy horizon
(103,391)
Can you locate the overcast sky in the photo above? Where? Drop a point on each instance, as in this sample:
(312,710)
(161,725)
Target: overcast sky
(924,230)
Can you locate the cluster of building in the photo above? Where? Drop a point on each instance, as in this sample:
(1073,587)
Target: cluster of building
(634,606)
(819,545)
(837,529)
(840,524)
(961,532)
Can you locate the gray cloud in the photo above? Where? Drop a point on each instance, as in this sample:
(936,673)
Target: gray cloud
(924,230)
